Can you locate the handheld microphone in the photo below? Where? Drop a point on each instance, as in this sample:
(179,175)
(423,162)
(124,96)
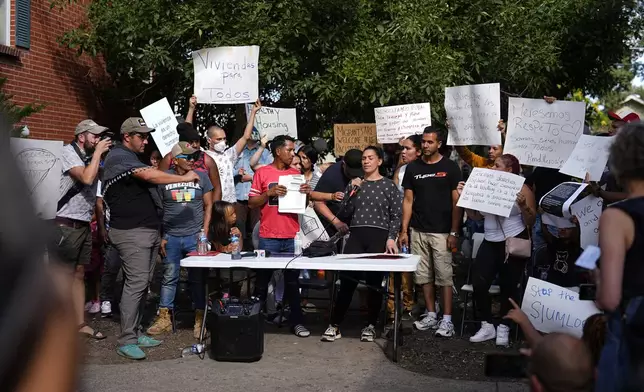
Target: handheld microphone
(354,190)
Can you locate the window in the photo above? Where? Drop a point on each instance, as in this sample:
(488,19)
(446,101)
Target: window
(5,14)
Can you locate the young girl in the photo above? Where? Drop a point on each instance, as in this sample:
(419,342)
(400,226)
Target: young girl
(222,227)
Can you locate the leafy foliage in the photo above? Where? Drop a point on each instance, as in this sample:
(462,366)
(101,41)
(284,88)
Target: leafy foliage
(15,113)
(337,59)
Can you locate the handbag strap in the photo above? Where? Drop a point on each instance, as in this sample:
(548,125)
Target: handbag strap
(498,221)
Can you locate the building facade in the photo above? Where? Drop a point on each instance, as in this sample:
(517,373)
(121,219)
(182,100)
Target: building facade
(40,70)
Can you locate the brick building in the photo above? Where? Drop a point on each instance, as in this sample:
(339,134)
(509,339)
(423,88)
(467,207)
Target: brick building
(39,70)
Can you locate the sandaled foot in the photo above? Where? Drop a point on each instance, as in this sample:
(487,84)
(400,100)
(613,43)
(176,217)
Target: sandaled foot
(87,331)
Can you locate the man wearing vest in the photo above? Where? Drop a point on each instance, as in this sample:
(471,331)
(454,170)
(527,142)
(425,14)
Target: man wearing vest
(80,163)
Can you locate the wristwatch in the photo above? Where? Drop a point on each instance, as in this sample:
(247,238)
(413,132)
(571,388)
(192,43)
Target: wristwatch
(454,234)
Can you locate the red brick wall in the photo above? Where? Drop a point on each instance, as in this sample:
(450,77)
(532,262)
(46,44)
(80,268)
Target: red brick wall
(50,74)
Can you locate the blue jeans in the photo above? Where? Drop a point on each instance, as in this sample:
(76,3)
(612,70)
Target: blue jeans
(176,249)
(537,236)
(291,282)
(614,368)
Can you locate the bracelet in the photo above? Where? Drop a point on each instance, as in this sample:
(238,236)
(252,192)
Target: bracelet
(333,197)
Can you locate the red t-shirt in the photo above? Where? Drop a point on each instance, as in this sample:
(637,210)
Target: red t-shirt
(273,224)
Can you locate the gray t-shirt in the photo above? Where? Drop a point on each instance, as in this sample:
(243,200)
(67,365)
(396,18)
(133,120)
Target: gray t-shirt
(183,205)
(378,204)
(81,206)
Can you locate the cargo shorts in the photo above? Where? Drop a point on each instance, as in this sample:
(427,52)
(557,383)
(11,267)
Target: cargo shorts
(435,265)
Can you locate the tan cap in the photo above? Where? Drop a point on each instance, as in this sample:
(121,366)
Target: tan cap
(89,126)
(135,125)
(182,148)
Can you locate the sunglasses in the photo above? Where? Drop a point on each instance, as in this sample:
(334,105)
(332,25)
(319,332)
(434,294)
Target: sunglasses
(191,157)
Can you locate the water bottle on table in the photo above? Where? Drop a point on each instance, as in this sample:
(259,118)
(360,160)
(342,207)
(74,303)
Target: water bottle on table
(202,243)
(235,254)
(404,249)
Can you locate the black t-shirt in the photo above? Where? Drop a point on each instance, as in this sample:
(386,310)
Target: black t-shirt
(542,180)
(560,268)
(333,180)
(432,184)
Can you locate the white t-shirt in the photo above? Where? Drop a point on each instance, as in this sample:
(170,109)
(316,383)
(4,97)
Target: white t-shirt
(226,164)
(81,206)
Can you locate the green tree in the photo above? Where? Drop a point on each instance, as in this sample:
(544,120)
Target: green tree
(14,112)
(335,60)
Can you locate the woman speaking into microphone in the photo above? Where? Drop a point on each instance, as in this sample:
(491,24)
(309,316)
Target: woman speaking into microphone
(374,208)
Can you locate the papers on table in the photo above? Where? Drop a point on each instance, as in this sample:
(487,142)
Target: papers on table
(293,202)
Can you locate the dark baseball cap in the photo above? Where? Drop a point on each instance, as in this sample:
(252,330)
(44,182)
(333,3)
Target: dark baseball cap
(187,133)
(135,125)
(353,163)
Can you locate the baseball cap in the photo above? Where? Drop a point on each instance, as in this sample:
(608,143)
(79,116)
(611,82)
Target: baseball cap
(353,163)
(89,126)
(135,124)
(187,133)
(182,148)
(624,114)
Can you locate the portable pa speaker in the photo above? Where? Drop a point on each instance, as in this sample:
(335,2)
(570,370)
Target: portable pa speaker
(237,331)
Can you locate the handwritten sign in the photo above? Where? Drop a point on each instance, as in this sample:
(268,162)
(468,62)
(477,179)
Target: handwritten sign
(473,113)
(311,228)
(394,122)
(491,191)
(551,308)
(543,134)
(160,116)
(588,210)
(348,136)
(39,161)
(273,122)
(227,74)
(589,156)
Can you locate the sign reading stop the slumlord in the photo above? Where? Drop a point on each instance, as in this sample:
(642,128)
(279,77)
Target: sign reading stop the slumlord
(226,75)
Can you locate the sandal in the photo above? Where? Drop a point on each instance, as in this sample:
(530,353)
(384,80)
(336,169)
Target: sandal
(95,335)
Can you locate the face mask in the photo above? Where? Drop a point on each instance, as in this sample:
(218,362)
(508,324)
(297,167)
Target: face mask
(220,147)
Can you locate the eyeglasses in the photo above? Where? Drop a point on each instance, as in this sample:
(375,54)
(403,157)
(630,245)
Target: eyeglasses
(191,157)
(142,136)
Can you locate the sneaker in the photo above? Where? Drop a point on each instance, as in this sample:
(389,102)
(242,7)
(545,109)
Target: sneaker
(147,342)
(95,308)
(106,309)
(331,334)
(368,333)
(503,335)
(88,306)
(131,351)
(275,318)
(427,322)
(445,329)
(486,332)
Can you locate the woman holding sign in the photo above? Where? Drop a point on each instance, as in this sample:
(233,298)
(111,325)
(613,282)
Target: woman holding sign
(492,259)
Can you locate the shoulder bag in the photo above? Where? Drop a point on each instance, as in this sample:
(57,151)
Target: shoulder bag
(516,247)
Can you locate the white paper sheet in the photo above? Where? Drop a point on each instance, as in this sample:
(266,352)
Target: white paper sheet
(293,202)
(588,258)
(588,211)
(589,156)
(491,191)
(473,113)
(160,116)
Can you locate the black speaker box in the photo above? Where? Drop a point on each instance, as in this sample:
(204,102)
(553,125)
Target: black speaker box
(237,331)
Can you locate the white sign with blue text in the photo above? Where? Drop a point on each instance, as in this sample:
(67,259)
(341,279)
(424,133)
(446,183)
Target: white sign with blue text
(551,308)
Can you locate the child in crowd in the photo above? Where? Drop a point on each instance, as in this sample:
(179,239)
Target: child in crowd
(155,158)
(562,251)
(223,227)
(93,272)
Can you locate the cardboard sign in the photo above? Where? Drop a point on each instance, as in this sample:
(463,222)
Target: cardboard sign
(226,75)
(473,113)
(160,116)
(491,191)
(589,156)
(273,122)
(551,308)
(395,122)
(588,210)
(348,136)
(543,134)
(39,162)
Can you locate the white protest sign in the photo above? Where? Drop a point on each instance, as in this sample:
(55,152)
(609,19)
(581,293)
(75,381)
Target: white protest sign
(395,122)
(227,74)
(473,113)
(551,308)
(558,201)
(39,161)
(160,116)
(273,122)
(589,156)
(543,134)
(311,228)
(588,210)
(491,191)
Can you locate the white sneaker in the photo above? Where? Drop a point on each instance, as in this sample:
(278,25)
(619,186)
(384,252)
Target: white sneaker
(331,334)
(368,333)
(88,305)
(106,308)
(445,329)
(428,321)
(503,335)
(95,308)
(487,332)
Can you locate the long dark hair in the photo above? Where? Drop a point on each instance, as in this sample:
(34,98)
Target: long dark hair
(219,227)
(310,153)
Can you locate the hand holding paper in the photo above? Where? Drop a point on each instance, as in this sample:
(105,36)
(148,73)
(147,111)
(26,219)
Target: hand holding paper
(293,200)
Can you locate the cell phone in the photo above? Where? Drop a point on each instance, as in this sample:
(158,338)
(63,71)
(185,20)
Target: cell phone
(506,365)
(587,292)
